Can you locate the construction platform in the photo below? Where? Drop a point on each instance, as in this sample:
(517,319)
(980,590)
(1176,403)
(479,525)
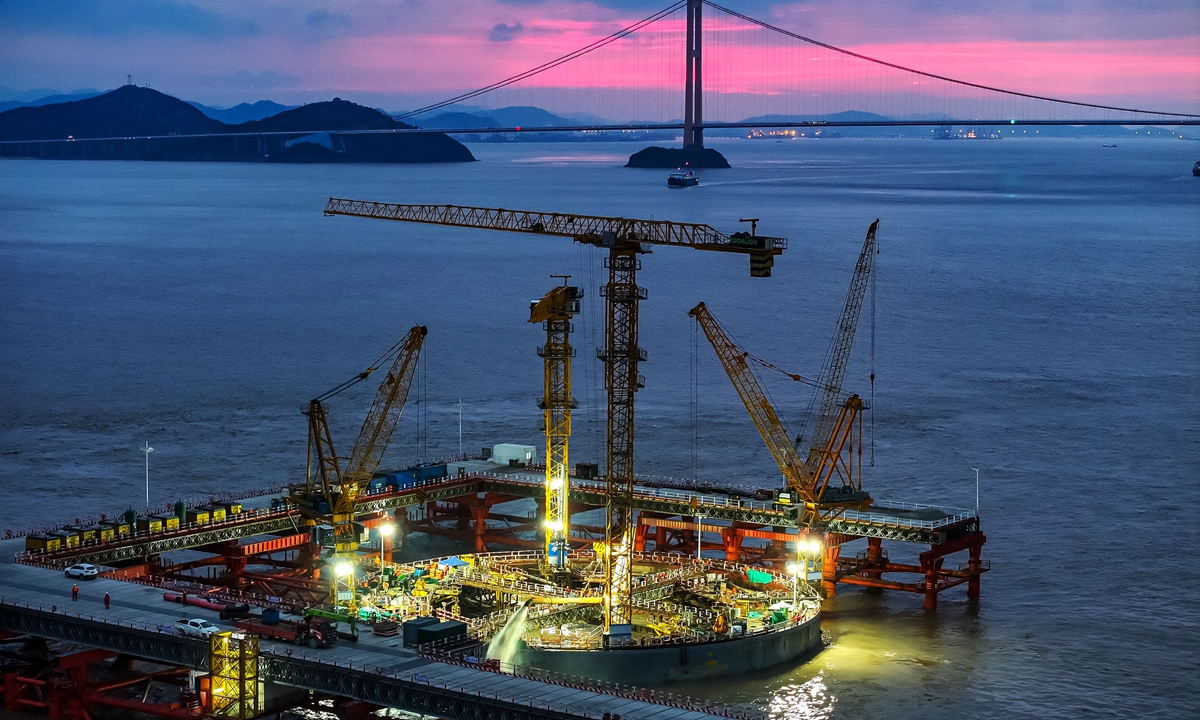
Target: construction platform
(466,506)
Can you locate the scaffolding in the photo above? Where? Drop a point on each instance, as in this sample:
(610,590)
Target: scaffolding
(233,666)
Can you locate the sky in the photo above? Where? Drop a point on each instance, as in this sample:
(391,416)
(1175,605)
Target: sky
(398,54)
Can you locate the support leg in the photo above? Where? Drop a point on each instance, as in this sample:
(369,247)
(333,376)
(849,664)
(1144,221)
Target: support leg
(974,564)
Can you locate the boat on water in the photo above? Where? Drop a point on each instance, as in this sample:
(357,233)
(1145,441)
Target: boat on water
(683,179)
(1196,169)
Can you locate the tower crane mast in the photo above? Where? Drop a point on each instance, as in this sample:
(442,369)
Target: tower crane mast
(554,311)
(834,373)
(625,239)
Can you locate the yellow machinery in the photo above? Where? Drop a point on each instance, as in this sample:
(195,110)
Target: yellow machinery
(819,500)
(341,487)
(554,312)
(834,371)
(233,673)
(625,239)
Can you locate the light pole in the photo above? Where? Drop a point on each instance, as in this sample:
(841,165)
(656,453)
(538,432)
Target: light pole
(976,491)
(699,535)
(385,532)
(147,449)
(460,426)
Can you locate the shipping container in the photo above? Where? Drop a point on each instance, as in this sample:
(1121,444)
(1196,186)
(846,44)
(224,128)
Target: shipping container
(69,538)
(104,533)
(87,535)
(43,543)
(150,524)
(170,521)
(216,512)
(512,454)
(199,516)
(432,472)
(231,508)
(411,627)
(119,528)
(441,631)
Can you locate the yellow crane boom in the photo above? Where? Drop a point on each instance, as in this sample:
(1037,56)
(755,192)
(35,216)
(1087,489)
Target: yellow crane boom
(554,311)
(340,487)
(834,372)
(625,239)
(818,499)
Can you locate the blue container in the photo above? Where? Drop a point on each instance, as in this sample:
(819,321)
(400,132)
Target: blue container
(433,472)
(270,616)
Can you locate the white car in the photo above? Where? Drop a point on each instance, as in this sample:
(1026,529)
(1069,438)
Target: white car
(197,628)
(82,571)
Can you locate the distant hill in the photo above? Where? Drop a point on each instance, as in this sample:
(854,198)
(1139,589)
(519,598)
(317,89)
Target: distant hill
(129,110)
(144,120)
(49,99)
(456,120)
(244,112)
(337,114)
(523,116)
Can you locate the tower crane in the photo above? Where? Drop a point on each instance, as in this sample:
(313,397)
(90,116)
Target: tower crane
(625,239)
(819,499)
(554,311)
(834,372)
(339,485)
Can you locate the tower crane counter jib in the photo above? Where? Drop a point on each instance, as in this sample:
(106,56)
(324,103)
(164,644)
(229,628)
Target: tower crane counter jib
(625,239)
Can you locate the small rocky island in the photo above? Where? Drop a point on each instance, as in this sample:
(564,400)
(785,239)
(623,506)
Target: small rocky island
(689,157)
(136,123)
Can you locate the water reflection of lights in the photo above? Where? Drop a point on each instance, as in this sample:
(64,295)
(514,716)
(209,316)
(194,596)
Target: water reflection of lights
(806,701)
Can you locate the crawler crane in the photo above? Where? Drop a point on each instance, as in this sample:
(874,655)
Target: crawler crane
(820,501)
(340,486)
(625,239)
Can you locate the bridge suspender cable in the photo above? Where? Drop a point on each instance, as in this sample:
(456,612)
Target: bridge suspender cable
(551,64)
(810,41)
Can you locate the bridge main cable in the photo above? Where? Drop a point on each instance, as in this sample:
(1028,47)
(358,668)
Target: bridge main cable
(884,63)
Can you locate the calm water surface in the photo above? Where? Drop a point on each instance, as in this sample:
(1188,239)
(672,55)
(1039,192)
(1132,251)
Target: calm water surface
(1038,316)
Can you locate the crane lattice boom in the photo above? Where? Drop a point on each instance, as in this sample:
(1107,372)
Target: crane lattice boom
(819,499)
(839,358)
(587,229)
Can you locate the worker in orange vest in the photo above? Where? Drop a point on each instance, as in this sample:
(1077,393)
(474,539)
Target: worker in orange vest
(106,601)
(74,592)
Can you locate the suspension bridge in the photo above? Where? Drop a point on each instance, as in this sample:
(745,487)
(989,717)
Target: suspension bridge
(726,70)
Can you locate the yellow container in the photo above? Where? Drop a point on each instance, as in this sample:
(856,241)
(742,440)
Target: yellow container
(43,543)
(86,534)
(231,508)
(150,524)
(119,528)
(217,512)
(200,516)
(69,537)
(105,533)
(169,521)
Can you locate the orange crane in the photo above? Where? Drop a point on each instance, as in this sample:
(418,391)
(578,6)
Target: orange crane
(834,371)
(341,487)
(819,499)
(554,311)
(625,239)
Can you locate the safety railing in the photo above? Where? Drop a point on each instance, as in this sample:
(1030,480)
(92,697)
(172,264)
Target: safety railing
(953,516)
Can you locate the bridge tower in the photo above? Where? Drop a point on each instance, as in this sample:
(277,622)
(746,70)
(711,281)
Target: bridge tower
(693,87)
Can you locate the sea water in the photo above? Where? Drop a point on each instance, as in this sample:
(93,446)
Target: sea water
(1037,315)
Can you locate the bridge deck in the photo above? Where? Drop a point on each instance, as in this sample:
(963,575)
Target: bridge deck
(905,522)
(375,669)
